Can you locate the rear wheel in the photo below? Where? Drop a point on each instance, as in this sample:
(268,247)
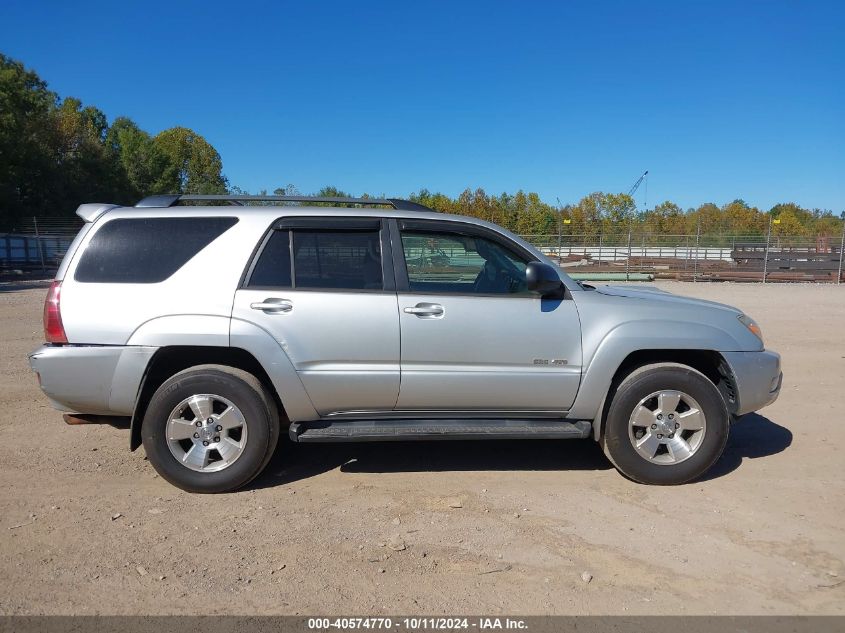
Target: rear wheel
(210,429)
(667,424)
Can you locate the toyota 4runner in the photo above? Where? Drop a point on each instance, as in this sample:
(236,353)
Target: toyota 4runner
(211,324)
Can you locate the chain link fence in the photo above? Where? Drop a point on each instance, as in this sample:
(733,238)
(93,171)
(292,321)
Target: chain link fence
(647,255)
(36,245)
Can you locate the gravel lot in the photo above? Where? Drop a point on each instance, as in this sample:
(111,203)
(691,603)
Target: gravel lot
(87,527)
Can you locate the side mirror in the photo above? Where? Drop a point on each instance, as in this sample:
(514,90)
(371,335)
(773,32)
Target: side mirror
(542,278)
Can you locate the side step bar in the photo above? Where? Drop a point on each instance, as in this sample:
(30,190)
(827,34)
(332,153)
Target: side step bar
(437,429)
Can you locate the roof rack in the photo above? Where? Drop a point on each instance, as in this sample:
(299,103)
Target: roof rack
(169,200)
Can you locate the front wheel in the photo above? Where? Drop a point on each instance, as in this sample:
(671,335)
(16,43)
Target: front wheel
(210,429)
(667,424)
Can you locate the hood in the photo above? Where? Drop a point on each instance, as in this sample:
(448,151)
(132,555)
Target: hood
(653,294)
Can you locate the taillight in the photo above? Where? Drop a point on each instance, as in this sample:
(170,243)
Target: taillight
(54,331)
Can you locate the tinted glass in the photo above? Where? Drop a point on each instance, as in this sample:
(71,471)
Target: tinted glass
(449,262)
(337,259)
(146,250)
(273,267)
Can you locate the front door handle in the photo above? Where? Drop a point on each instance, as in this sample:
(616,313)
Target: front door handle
(423,310)
(272,306)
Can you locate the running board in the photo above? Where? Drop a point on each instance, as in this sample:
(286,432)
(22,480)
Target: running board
(437,429)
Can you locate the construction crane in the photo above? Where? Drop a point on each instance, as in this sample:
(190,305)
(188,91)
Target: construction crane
(636,186)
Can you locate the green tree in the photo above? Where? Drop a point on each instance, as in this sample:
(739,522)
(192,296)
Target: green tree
(826,224)
(790,222)
(707,218)
(86,171)
(288,190)
(666,218)
(142,163)
(333,192)
(607,214)
(617,211)
(193,165)
(738,218)
(27,138)
(437,201)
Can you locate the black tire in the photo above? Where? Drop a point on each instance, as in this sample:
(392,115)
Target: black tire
(244,391)
(647,380)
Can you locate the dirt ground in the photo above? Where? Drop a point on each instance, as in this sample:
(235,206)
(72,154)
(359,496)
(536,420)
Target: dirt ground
(86,527)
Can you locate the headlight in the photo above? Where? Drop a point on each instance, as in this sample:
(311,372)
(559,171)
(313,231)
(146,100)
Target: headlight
(748,322)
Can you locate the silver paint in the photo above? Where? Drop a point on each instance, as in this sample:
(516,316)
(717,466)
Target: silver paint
(356,354)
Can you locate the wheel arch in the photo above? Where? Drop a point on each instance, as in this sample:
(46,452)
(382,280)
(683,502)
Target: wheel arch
(710,363)
(172,359)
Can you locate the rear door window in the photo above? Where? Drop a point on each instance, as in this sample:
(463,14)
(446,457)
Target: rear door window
(146,250)
(348,259)
(344,260)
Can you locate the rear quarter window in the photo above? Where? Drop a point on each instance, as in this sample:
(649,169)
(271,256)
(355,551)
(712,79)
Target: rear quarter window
(273,267)
(146,250)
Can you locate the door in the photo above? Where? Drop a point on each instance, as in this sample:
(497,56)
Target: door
(473,338)
(321,288)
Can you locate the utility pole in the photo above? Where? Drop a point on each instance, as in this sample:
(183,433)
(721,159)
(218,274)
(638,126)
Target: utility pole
(38,244)
(766,257)
(559,229)
(841,250)
(695,261)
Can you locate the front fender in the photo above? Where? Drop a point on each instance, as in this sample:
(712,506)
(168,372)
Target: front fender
(607,354)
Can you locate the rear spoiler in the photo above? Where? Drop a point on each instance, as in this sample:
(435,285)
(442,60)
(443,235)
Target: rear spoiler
(93,210)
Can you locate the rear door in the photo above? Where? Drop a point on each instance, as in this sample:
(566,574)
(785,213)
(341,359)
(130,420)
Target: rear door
(473,337)
(322,288)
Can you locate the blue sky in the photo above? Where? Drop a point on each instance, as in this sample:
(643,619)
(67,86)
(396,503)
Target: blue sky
(718,100)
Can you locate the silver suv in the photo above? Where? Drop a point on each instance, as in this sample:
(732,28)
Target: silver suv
(212,323)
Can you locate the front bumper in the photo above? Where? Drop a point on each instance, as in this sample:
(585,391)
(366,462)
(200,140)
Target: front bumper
(758,378)
(97,379)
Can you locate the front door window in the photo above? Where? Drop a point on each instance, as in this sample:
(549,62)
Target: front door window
(454,263)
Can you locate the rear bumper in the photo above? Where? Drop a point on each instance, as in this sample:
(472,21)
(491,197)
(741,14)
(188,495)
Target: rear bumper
(102,380)
(758,379)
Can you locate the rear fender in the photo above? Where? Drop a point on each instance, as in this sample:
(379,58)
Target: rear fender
(183,329)
(176,331)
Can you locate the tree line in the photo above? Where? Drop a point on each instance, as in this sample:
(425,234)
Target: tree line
(56,153)
(615,214)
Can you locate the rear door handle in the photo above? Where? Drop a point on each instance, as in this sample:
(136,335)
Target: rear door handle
(272,306)
(425,310)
